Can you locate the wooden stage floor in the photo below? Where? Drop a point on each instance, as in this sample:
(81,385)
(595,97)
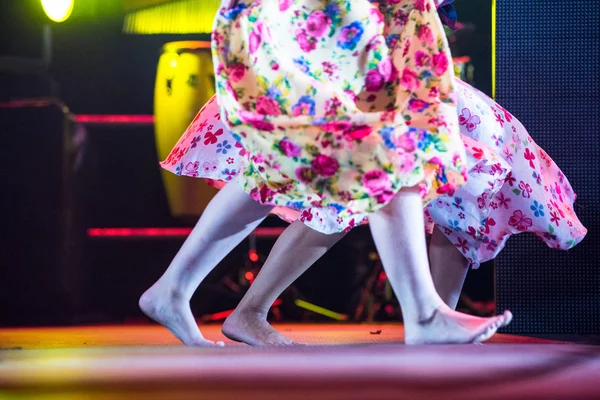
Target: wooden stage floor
(340,362)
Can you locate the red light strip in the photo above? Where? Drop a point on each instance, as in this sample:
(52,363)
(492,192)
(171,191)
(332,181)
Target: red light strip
(224,314)
(132,233)
(114,119)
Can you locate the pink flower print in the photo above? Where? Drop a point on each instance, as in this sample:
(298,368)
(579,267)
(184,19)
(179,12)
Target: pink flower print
(324,165)
(230,160)
(376,182)
(306,216)
(374,81)
(507,116)
(443,204)
(242,149)
(554,217)
(440,64)
(520,221)
(306,43)
(329,68)
(510,179)
(254,42)
(178,154)
(305,174)
(236,72)
(267,106)
(499,119)
(498,140)
(289,149)
(422,58)
(481,200)
(529,156)
(525,189)
(386,69)
(410,80)
(503,201)
(558,192)
(462,245)
(350,226)
(191,169)
(331,106)
(358,132)
(425,34)
(210,166)
(471,231)
(285,4)
(554,205)
(195,141)
(497,169)
(211,138)
(317,23)
(230,174)
(508,155)
(477,153)
(406,48)
(544,156)
(434,91)
(469,121)
(478,169)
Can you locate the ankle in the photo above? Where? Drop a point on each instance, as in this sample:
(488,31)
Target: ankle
(425,315)
(254,310)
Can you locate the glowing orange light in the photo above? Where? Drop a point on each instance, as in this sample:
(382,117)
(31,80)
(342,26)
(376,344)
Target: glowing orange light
(249,276)
(253,255)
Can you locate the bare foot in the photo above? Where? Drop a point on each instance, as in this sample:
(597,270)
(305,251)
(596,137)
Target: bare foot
(447,326)
(174,314)
(252,328)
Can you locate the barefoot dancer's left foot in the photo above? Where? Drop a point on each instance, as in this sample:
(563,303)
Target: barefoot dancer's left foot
(174,313)
(427,319)
(252,328)
(447,326)
(230,216)
(296,249)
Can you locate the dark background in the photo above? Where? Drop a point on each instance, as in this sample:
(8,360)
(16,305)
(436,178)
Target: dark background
(116,181)
(100,70)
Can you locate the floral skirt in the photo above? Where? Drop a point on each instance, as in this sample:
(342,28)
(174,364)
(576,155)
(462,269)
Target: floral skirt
(337,106)
(513,185)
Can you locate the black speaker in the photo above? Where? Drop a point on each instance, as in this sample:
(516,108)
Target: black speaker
(547,75)
(38,231)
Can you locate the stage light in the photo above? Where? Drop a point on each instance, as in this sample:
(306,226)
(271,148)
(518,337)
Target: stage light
(58,10)
(320,310)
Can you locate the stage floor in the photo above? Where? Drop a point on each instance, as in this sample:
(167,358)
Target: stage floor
(341,362)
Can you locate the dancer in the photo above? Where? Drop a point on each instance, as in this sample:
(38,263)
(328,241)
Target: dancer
(312,149)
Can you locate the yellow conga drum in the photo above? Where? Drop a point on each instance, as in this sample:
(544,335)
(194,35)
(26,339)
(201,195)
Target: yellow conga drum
(184,83)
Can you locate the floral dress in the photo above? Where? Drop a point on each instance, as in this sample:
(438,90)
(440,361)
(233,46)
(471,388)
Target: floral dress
(535,196)
(338,106)
(513,186)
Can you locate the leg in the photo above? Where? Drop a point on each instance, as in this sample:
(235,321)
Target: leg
(294,252)
(398,233)
(448,268)
(227,220)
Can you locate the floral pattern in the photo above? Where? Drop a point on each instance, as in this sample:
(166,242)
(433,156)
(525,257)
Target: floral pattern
(337,106)
(534,197)
(513,185)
